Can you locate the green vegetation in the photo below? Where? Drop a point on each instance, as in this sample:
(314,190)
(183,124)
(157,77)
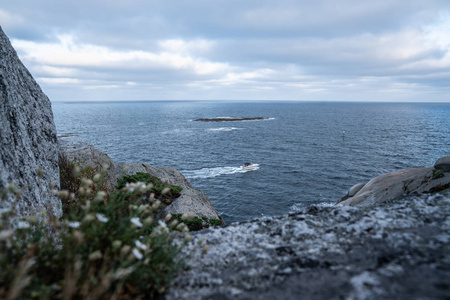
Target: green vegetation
(71,178)
(437,174)
(215,222)
(106,246)
(160,189)
(195,223)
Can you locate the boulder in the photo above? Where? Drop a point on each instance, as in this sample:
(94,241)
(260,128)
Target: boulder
(191,200)
(356,188)
(443,164)
(394,185)
(27,137)
(85,155)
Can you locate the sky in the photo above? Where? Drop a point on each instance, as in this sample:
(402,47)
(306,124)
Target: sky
(329,50)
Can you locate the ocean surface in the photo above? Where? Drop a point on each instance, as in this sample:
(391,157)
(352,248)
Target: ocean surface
(309,152)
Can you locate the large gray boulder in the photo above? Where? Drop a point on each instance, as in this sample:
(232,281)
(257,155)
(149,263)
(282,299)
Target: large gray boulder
(191,200)
(443,164)
(87,155)
(27,138)
(394,185)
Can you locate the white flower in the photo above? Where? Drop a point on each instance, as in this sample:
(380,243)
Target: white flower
(130,186)
(95,255)
(23,225)
(101,218)
(136,222)
(6,234)
(141,185)
(138,186)
(74,224)
(140,245)
(137,254)
(163,225)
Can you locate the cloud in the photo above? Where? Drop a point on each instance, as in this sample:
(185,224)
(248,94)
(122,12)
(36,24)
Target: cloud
(201,49)
(67,55)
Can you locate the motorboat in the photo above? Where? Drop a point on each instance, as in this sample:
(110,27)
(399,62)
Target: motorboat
(249,166)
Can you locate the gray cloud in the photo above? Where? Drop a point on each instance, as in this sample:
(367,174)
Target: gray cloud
(324,50)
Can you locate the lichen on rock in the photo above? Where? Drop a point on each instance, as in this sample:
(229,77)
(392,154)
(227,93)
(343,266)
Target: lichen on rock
(396,249)
(28,153)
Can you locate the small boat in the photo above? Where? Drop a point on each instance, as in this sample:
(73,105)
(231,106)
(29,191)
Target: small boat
(249,166)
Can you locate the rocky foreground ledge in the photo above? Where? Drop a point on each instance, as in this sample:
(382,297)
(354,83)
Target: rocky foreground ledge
(228,119)
(389,239)
(394,250)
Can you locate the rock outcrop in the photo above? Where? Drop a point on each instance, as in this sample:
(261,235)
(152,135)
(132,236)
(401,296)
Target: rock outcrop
(395,250)
(87,155)
(191,200)
(394,185)
(27,137)
(443,164)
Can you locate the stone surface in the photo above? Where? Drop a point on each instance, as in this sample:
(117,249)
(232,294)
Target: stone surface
(27,137)
(394,250)
(356,188)
(395,184)
(191,200)
(443,164)
(227,119)
(87,155)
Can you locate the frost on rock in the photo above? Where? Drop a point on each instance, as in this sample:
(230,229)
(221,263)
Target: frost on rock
(394,250)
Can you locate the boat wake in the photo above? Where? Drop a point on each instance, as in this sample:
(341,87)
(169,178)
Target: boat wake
(224,129)
(214,172)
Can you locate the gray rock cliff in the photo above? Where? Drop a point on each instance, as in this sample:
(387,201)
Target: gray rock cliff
(27,137)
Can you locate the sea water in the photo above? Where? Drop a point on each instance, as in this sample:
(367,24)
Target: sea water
(308,152)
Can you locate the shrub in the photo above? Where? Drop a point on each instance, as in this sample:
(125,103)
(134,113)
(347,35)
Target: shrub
(195,223)
(437,174)
(111,247)
(215,222)
(71,179)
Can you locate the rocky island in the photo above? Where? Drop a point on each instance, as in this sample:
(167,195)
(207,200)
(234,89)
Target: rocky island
(228,119)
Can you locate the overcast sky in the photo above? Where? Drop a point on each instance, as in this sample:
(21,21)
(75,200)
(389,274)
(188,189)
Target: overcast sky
(345,50)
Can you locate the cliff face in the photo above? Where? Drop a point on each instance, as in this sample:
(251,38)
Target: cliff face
(27,137)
